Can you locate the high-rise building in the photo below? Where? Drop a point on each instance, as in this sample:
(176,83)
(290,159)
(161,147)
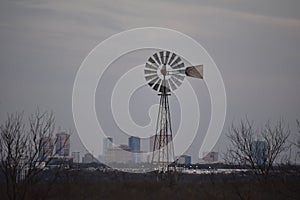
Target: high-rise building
(134,144)
(119,154)
(76,157)
(210,156)
(140,157)
(62,147)
(184,159)
(88,158)
(258,149)
(47,148)
(107,144)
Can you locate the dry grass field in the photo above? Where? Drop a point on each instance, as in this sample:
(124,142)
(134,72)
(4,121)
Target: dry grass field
(118,185)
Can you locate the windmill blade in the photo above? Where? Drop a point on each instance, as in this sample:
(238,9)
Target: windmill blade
(178,59)
(171,58)
(176,81)
(151,83)
(178,76)
(151,66)
(149,71)
(195,71)
(151,60)
(173,86)
(157,85)
(162,58)
(156,58)
(167,57)
(178,66)
(148,78)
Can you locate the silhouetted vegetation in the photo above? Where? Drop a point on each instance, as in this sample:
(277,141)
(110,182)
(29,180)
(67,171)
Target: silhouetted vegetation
(257,148)
(84,184)
(26,150)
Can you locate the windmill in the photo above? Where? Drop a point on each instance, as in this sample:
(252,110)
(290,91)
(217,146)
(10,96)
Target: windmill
(164,72)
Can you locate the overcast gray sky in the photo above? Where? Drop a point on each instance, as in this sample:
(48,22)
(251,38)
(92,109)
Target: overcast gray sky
(256,45)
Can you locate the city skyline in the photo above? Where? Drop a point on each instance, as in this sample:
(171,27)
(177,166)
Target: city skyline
(133,146)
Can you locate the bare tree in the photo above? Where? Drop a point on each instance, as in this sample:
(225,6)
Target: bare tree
(25,151)
(257,148)
(297,143)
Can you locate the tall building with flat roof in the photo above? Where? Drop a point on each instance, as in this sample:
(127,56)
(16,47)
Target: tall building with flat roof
(211,156)
(134,144)
(76,157)
(62,146)
(47,148)
(88,158)
(258,149)
(184,159)
(107,144)
(120,154)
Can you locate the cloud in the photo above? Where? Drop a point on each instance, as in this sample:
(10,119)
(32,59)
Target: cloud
(93,20)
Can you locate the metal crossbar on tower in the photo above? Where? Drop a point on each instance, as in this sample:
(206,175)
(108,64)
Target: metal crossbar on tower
(165,72)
